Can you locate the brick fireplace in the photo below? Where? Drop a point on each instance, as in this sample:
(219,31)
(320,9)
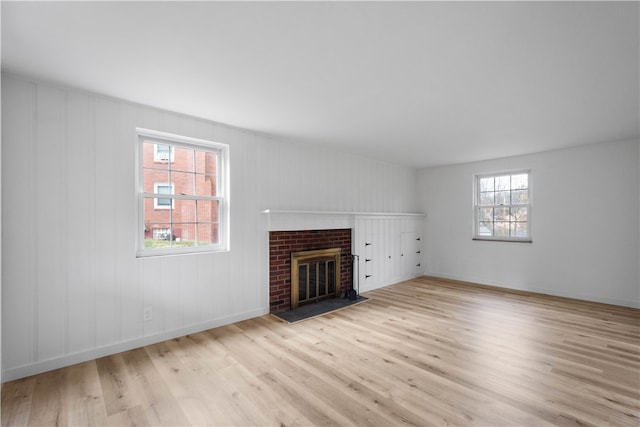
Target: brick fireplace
(283,243)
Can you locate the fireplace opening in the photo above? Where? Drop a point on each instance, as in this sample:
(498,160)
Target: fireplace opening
(315,276)
(283,243)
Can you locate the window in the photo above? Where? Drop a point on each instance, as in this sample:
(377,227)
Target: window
(162,153)
(161,233)
(183,194)
(163,188)
(502,208)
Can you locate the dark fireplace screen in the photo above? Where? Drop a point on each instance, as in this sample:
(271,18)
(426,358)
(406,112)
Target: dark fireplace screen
(315,275)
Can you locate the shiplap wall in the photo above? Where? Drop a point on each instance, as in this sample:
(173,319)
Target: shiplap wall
(72,287)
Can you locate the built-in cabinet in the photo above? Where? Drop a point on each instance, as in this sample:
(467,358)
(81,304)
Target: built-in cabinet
(388,245)
(389,249)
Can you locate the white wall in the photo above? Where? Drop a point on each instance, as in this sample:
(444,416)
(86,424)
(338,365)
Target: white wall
(72,287)
(0,219)
(586,235)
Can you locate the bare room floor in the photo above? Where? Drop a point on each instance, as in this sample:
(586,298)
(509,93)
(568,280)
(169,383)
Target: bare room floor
(423,352)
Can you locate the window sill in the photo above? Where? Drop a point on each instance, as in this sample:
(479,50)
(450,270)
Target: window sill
(173,252)
(489,239)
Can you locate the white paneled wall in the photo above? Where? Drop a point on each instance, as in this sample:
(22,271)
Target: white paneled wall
(584,221)
(72,288)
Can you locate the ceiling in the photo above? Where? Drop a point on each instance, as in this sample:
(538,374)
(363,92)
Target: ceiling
(416,83)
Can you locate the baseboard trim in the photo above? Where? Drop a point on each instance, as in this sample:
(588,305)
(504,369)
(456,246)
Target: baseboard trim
(537,290)
(107,350)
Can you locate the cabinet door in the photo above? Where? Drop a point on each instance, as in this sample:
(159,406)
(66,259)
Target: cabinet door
(371,262)
(411,248)
(408,253)
(418,256)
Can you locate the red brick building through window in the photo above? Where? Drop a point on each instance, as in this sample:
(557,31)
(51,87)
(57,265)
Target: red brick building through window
(179,219)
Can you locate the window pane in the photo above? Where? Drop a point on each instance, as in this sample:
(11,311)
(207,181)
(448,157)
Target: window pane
(154,213)
(487,199)
(486,184)
(485,228)
(156,174)
(207,211)
(157,235)
(501,229)
(183,160)
(156,155)
(185,233)
(187,183)
(503,198)
(183,182)
(184,211)
(207,233)
(501,214)
(153,176)
(519,229)
(485,214)
(519,197)
(152,170)
(519,182)
(206,185)
(503,183)
(206,162)
(520,214)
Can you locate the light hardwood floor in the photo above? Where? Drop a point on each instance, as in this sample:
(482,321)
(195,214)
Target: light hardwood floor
(423,352)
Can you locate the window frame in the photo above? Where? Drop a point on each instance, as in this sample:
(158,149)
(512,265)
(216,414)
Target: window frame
(477,206)
(222,191)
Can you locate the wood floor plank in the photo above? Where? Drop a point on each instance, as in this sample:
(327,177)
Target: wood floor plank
(423,352)
(160,406)
(83,396)
(16,402)
(118,389)
(47,403)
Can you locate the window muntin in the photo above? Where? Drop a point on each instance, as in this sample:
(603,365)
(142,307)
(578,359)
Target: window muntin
(183,202)
(502,207)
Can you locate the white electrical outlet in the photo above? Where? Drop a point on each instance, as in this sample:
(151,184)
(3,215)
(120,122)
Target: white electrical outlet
(147,314)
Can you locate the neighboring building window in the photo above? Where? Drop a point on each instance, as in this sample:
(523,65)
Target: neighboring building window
(183,194)
(163,188)
(161,233)
(502,208)
(162,153)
